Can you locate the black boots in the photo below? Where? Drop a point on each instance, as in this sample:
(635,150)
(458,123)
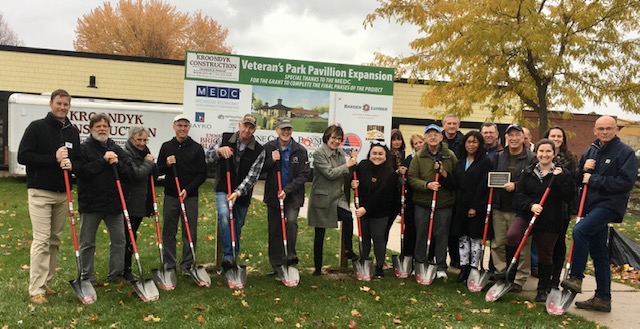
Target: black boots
(511,276)
(464,273)
(544,281)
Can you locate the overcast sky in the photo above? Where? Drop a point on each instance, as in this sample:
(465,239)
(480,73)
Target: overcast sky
(313,30)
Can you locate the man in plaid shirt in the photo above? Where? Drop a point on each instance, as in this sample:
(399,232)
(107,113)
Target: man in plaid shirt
(241,155)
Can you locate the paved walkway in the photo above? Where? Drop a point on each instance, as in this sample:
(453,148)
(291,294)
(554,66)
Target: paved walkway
(625,307)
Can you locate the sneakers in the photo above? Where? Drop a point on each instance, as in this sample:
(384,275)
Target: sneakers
(293,261)
(516,288)
(39,299)
(573,284)
(227,264)
(595,304)
(129,276)
(351,255)
(541,296)
(441,275)
(317,272)
(379,273)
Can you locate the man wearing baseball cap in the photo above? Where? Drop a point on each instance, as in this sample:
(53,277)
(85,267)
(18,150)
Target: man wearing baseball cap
(240,154)
(514,160)
(187,156)
(436,157)
(292,160)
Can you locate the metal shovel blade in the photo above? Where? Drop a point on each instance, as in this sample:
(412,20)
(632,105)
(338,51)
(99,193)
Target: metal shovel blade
(164,279)
(430,274)
(147,291)
(236,277)
(477,280)
(200,276)
(84,290)
(290,276)
(402,265)
(421,273)
(363,269)
(498,290)
(559,301)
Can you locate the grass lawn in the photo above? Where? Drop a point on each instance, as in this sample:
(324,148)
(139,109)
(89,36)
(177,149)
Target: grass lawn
(334,300)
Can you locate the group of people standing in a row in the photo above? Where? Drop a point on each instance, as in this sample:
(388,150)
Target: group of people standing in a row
(446,163)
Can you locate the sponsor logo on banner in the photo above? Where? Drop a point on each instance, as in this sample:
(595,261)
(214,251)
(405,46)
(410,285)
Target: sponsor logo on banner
(199,116)
(351,142)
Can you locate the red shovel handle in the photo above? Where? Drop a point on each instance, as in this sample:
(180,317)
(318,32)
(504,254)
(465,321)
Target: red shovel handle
(356,201)
(72,218)
(486,218)
(182,208)
(124,209)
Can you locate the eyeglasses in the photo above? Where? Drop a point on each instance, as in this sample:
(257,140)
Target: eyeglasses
(377,142)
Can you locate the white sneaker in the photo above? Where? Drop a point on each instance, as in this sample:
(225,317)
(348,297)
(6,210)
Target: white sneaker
(441,275)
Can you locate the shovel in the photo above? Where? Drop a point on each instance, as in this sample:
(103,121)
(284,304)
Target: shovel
(164,279)
(237,275)
(197,272)
(363,267)
(290,275)
(83,288)
(146,290)
(558,302)
(501,287)
(425,273)
(478,278)
(402,264)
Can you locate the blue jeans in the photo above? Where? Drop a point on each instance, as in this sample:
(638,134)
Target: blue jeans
(590,237)
(239,213)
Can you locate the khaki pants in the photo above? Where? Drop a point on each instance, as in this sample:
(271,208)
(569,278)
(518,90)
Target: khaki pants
(48,211)
(501,222)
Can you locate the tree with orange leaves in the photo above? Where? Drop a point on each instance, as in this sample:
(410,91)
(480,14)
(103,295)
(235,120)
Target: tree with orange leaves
(150,28)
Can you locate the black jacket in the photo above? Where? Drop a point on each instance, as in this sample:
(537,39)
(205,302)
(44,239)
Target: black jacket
(471,192)
(529,191)
(524,159)
(299,173)
(37,151)
(613,178)
(97,190)
(192,170)
(377,183)
(139,199)
(238,167)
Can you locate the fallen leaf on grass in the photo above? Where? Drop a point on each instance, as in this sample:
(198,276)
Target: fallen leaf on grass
(466,302)
(151,317)
(377,298)
(397,320)
(239,293)
(529,304)
(365,289)
(114,326)
(200,319)
(244,303)
(24,267)
(413,300)
(199,307)
(459,317)
(278,319)
(298,325)
(439,305)
(92,317)
(342,298)
(355,313)
(318,323)
(372,292)
(565,322)
(353,324)
(208,238)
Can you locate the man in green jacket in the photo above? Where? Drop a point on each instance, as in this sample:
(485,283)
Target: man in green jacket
(434,158)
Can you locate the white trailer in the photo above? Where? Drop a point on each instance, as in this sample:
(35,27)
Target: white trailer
(156,118)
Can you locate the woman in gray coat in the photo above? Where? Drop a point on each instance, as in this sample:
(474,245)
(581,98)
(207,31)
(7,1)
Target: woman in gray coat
(139,203)
(327,203)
